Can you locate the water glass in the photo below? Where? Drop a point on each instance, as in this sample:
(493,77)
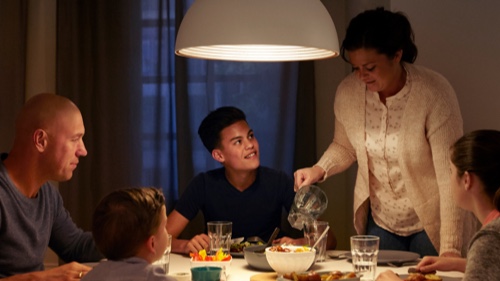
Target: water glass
(164,261)
(220,233)
(364,250)
(312,231)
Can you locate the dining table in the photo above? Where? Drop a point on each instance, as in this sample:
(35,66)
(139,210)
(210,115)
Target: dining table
(241,271)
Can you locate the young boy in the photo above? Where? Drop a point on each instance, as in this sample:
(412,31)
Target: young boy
(129,228)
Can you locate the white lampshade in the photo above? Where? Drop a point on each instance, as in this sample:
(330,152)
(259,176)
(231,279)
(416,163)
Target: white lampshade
(257,30)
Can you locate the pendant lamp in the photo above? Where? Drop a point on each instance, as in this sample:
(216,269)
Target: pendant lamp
(257,30)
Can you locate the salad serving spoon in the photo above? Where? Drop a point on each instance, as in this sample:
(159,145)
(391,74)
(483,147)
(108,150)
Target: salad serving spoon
(270,241)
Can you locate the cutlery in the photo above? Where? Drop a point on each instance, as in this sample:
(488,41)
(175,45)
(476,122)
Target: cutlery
(270,241)
(400,264)
(321,236)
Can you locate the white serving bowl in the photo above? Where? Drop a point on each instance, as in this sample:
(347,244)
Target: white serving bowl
(288,262)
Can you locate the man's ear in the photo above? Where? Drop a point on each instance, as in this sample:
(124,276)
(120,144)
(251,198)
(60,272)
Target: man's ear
(217,155)
(40,139)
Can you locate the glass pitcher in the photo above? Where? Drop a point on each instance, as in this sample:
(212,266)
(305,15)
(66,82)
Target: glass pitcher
(309,203)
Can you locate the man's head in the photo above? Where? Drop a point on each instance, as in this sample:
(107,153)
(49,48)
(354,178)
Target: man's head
(213,124)
(51,128)
(128,219)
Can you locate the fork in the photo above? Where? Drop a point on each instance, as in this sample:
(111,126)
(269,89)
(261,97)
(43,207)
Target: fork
(400,264)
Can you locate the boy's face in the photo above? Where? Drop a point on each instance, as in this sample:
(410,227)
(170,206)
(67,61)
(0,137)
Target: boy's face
(161,235)
(239,149)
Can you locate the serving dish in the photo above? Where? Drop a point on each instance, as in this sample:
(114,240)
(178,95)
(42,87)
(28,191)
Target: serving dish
(287,259)
(237,248)
(256,258)
(321,275)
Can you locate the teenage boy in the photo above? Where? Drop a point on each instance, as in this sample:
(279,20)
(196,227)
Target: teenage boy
(242,191)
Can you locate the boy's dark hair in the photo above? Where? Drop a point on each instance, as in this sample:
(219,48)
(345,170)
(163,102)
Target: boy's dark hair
(124,219)
(385,31)
(215,122)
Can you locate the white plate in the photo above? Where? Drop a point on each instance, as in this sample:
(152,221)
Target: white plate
(237,254)
(237,240)
(445,278)
(336,254)
(391,256)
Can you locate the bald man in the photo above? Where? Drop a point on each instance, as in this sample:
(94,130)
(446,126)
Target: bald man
(47,146)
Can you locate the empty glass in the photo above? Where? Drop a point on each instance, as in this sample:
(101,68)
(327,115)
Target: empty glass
(312,232)
(309,203)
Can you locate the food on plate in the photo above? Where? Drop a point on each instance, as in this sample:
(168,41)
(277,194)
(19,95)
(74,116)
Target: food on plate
(279,248)
(423,277)
(323,276)
(416,275)
(202,256)
(415,270)
(239,247)
(307,276)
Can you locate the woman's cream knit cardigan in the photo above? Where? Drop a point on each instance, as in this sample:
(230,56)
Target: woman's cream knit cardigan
(431,123)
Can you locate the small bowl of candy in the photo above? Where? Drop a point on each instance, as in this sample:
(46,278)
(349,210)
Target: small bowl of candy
(220,259)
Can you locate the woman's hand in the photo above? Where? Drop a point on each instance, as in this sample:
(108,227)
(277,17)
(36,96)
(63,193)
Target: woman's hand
(431,263)
(388,276)
(307,176)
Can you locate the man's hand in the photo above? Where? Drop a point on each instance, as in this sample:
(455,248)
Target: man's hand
(290,241)
(70,271)
(197,243)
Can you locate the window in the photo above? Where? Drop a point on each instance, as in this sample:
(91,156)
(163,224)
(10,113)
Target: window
(264,91)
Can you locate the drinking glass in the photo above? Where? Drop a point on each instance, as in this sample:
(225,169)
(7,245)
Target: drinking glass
(312,231)
(364,250)
(164,261)
(219,233)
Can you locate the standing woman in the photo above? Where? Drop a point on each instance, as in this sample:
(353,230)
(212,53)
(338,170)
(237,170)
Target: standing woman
(475,180)
(397,120)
